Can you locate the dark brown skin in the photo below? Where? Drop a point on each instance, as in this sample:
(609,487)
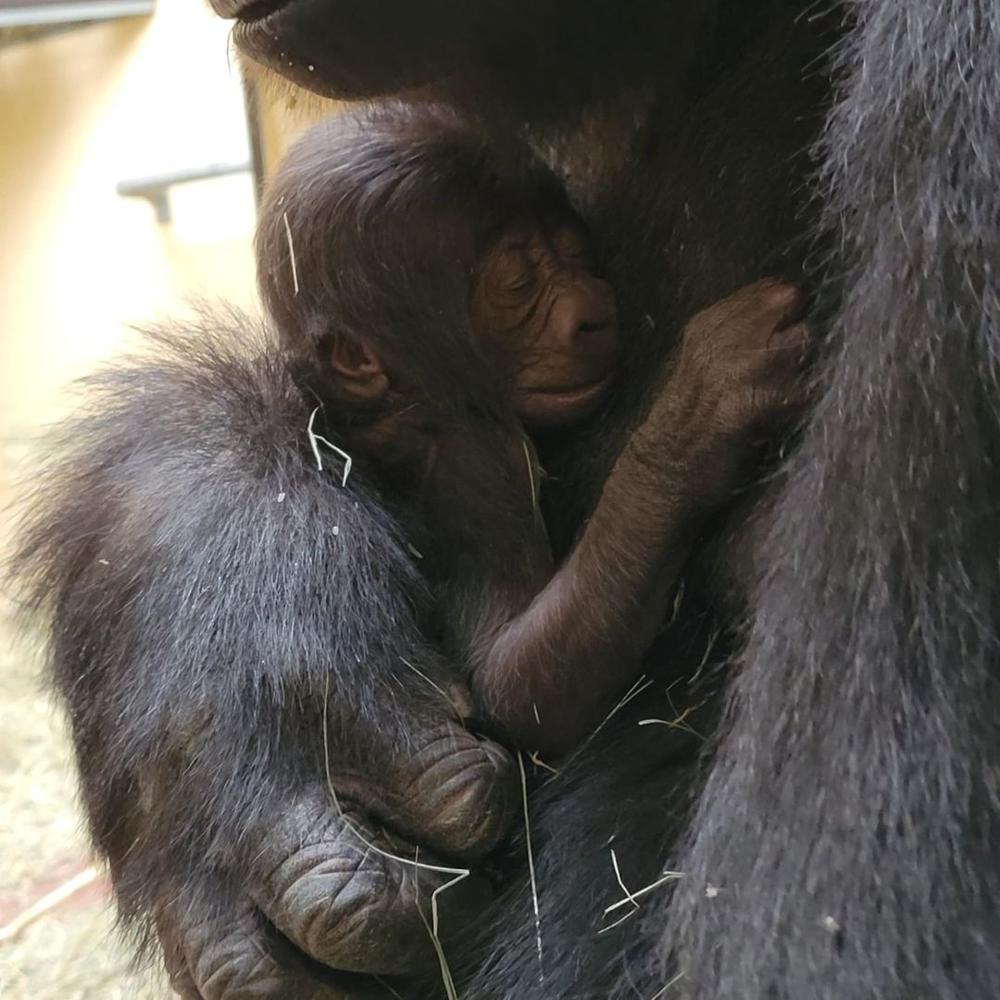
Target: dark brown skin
(538,301)
(548,654)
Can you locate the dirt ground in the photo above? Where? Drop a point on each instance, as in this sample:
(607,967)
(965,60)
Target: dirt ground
(70,951)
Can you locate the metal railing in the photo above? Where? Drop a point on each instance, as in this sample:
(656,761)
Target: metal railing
(156,189)
(35,13)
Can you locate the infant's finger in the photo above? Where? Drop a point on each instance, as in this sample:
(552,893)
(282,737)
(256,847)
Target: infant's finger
(770,300)
(792,341)
(780,407)
(781,360)
(787,301)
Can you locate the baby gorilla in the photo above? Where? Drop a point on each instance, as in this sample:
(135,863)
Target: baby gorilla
(441,306)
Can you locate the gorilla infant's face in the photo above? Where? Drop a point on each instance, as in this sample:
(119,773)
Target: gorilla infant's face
(537,301)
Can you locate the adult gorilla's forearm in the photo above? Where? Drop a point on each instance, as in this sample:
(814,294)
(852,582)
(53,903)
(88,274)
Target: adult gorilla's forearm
(225,618)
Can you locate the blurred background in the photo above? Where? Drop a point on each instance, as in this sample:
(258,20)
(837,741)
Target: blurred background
(131,152)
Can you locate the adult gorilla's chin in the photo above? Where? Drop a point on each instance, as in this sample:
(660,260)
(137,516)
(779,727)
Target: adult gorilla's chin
(345,49)
(517,59)
(348,49)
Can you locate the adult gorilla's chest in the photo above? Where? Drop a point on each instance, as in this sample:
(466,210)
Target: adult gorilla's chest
(716,189)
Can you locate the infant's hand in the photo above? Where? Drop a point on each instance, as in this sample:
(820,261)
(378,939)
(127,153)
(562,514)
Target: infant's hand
(738,375)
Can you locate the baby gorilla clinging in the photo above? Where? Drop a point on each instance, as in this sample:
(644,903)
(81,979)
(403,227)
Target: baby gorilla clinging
(441,306)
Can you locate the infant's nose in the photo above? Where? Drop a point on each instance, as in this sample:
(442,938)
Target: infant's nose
(584,320)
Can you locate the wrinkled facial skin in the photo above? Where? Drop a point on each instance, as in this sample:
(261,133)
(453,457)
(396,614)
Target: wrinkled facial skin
(538,303)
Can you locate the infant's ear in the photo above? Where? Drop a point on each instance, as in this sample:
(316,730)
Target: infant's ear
(357,368)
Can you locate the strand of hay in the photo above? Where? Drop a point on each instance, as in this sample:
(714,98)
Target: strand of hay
(48,902)
(531,867)
(315,440)
(291,254)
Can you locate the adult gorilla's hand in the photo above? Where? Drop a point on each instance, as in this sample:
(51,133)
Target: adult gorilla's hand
(321,905)
(245,649)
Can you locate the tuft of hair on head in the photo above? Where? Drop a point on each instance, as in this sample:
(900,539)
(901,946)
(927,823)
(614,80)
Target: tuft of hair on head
(373,227)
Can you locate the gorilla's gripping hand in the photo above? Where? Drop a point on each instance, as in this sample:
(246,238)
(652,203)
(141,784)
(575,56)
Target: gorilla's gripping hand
(261,726)
(738,376)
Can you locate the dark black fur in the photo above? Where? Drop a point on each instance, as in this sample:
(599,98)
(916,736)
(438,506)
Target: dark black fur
(846,842)
(849,820)
(852,815)
(187,491)
(198,568)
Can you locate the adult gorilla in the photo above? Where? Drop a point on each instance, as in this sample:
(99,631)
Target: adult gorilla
(846,841)
(843,841)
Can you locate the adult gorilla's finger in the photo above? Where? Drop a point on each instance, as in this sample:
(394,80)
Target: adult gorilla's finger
(449,791)
(236,956)
(175,962)
(329,884)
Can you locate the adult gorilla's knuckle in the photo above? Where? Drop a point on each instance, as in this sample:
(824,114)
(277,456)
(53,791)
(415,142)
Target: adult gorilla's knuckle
(470,790)
(235,969)
(347,911)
